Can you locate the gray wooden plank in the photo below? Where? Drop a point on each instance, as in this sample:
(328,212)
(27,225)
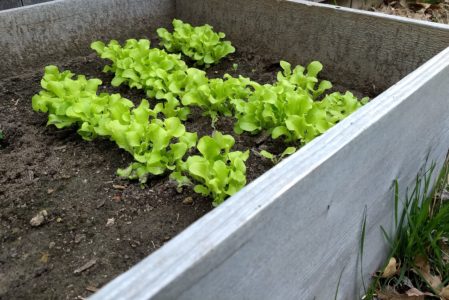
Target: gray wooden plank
(370,51)
(34,36)
(7,4)
(289,234)
(31,2)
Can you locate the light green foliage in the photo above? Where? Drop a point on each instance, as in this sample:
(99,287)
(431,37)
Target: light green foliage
(200,43)
(291,107)
(277,158)
(74,101)
(220,172)
(215,96)
(2,135)
(419,238)
(165,76)
(160,144)
(338,106)
(304,81)
(295,107)
(161,75)
(156,145)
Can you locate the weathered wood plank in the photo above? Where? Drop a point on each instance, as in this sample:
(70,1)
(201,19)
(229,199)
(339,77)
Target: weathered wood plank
(367,50)
(7,4)
(35,36)
(289,234)
(31,2)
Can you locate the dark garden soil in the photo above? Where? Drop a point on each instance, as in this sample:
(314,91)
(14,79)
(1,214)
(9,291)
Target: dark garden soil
(92,225)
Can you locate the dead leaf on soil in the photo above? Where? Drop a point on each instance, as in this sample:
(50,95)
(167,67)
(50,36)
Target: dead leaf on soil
(119,187)
(389,293)
(391,269)
(44,257)
(422,264)
(110,222)
(445,292)
(86,266)
(39,218)
(445,250)
(91,288)
(418,6)
(117,198)
(417,293)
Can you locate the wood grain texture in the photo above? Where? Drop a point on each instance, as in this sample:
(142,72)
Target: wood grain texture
(290,233)
(31,2)
(34,36)
(7,4)
(371,51)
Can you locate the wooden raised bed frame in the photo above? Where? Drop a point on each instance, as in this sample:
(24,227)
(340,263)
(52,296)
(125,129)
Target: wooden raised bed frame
(290,233)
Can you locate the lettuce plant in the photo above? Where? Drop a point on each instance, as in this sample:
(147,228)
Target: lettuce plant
(71,101)
(215,96)
(219,172)
(140,66)
(305,81)
(291,107)
(163,144)
(295,107)
(161,75)
(277,158)
(165,76)
(338,106)
(156,145)
(200,43)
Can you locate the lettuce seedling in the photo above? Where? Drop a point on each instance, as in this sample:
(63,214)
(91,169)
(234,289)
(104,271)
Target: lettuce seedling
(290,107)
(166,144)
(338,106)
(215,96)
(305,81)
(161,75)
(219,172)
(277,158)
(201,43)
(71,101)
(264,109)
(156,145)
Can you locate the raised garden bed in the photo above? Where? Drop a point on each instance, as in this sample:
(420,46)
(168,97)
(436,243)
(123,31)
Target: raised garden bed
(75,182)
(283,232)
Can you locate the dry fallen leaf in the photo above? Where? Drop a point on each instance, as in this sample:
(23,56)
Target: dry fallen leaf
(389,293)
(86,266)
(445,250)
(119,187)
(391,269)
(39,218)
(445,292)
(416,292)
(91,288)
(44,257)
(423,267)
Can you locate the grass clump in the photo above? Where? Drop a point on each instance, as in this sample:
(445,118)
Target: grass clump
(418,263)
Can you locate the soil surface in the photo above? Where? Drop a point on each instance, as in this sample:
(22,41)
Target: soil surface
(437,12)
(68,224)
